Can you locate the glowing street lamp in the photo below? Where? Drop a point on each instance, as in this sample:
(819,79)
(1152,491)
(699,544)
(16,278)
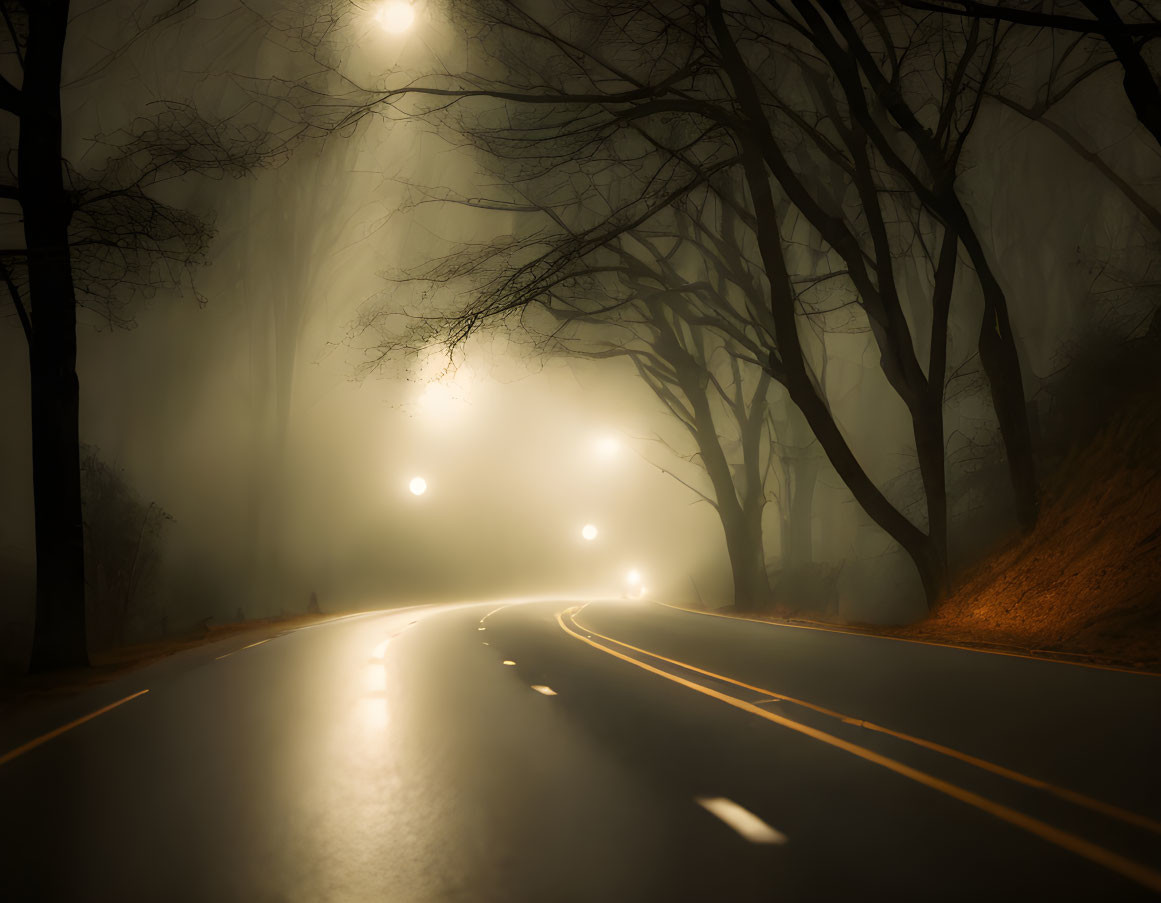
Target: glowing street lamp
(634,577)
(589,532)
(418,486)
(395,16)
(608,446)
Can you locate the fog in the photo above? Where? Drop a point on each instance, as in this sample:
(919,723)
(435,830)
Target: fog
(254,403)
(184,406)
(252,420)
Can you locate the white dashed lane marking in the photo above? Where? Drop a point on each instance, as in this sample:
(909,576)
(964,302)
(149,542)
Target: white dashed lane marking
(741,820)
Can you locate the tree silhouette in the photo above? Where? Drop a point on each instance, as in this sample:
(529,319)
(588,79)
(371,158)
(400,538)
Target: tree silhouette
(1123,30)
(845,144)
(90,240)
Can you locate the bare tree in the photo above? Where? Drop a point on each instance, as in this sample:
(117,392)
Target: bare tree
(721,404)
(1122,29)
(612,130)
(882,67)
(89,240)
(1051,71)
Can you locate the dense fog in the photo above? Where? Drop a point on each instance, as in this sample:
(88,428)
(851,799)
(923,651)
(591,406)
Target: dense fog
(251,423)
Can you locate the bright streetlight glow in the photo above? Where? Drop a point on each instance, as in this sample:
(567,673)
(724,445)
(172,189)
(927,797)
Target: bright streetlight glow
(634,577)
(608,446)
(395,16)
(589,532)
(418,486)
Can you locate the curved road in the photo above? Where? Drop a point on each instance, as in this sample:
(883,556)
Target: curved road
(606,751)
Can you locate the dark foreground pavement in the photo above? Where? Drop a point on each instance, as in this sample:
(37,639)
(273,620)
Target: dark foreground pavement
(547,752)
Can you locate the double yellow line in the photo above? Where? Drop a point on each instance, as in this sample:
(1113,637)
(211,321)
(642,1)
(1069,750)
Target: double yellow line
(1073,843)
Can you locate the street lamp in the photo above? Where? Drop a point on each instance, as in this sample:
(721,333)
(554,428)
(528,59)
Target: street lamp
(634,579)
(418,486)
(395,16)
(608,446)
(589,532)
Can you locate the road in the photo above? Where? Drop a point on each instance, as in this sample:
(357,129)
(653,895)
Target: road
(608,751)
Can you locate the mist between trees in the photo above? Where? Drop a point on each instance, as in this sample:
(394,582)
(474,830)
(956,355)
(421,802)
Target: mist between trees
(773,176)
(863,263)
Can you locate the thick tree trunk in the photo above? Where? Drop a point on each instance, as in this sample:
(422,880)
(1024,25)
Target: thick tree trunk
(1000,360)
(742,524)
(59,640)
(747,563)
(739,509)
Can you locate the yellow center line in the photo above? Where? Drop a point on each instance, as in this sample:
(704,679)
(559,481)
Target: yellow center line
(1068,841)
(1072,796)
(44,738)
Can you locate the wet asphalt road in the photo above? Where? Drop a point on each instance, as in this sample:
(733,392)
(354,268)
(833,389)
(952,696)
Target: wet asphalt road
(395,756)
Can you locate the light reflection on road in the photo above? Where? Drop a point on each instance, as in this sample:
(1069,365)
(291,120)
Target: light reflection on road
(376,677)
(353,802)
(372,707)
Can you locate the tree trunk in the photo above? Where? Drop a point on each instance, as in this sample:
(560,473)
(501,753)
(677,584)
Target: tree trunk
(59,640)
(1001,363)
(997,345)
(928,427)
(742,526)
(741,518)
(798,548)
(914,541)
(1141,88)
(792,369)
(795,376)
(748,564)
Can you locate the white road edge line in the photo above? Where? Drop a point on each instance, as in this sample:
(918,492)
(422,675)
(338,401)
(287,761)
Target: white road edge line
(741,820)
(492,612)
(251,646)
(541,688)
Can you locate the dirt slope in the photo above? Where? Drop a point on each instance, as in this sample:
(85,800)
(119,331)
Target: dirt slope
(1087,581)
